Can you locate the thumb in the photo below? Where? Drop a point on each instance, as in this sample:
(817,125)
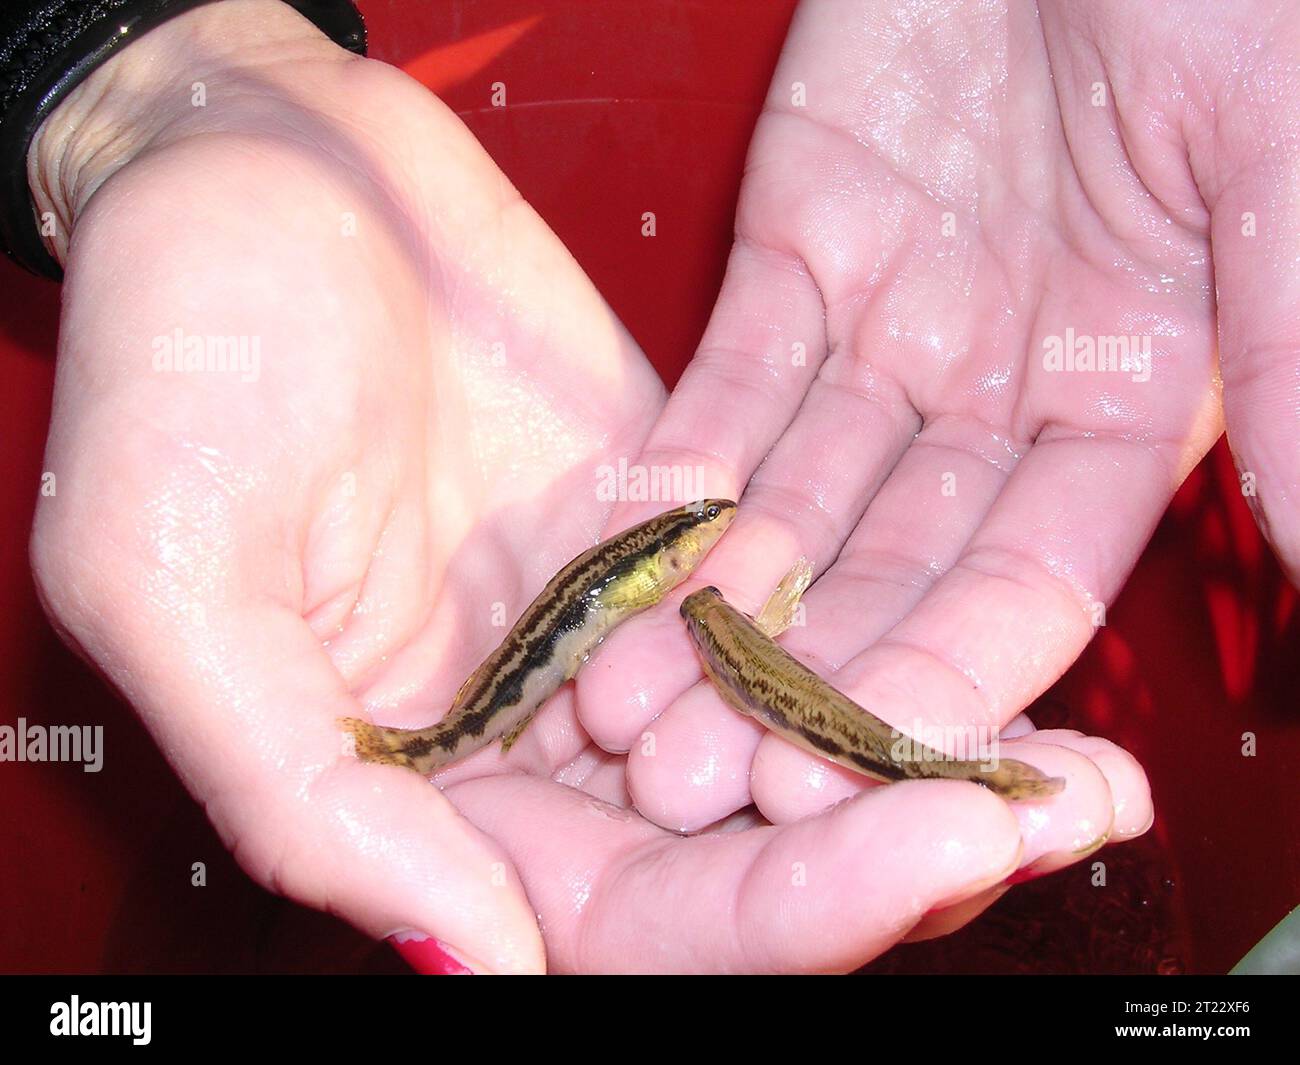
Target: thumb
(824,894)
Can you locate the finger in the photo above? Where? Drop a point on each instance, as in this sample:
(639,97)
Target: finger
(599,774)
(1056,831)
(1024,597)
(744,384)
(1255,217)
(1125,777)
(1069,826)
(814,486)
(735,399)
(943,922)
(642,666)
(823,895)
(789,784)
(1018,726)
(913,530)
(690,767)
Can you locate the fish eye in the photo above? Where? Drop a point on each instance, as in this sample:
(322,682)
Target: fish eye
(712,511)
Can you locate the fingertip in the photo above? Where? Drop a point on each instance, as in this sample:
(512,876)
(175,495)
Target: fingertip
(1134,811)
(989,831)
(1018,726)
(951,839)
(430,956)
(945,920)
(1061,830)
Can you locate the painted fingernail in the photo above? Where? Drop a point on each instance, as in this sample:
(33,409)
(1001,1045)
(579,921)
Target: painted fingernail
(427,955)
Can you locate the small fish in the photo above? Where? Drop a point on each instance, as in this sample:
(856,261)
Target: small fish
(556,634)
(758,678)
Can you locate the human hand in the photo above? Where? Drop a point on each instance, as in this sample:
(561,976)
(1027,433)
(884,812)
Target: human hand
(949,198)
(251,555)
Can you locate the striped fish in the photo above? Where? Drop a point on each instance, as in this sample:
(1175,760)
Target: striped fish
(556,634)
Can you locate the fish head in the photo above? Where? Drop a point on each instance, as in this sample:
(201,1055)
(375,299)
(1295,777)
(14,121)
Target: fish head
(689,539)
(674,543)
(696,604)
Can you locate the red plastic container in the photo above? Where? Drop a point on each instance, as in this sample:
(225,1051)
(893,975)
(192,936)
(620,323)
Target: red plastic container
(633,106)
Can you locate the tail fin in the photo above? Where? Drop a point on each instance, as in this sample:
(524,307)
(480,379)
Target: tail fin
(1016,780)
(371,743)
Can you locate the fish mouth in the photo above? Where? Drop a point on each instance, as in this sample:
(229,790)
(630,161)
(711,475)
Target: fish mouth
(697,599)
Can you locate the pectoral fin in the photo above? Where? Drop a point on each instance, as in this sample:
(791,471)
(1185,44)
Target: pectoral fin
(508,740)
(779,611)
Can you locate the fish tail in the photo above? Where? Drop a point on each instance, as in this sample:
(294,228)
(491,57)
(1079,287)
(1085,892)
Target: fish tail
(1013,780)
(384,746)
(1010,779)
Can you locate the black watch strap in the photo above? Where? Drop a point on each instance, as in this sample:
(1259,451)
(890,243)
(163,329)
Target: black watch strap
(47,47)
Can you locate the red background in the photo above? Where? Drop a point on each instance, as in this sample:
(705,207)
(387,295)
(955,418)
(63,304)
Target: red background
(616,108)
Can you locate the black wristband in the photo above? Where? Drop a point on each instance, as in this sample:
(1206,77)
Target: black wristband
(48,47)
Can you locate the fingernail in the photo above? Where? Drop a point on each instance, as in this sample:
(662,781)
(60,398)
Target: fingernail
(1095,845)
(1054,860)
(427,955)
(1121,834)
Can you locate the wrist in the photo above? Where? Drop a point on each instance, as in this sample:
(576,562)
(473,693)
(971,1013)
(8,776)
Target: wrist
(201,70)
